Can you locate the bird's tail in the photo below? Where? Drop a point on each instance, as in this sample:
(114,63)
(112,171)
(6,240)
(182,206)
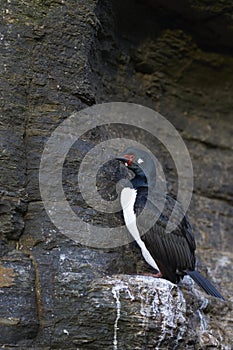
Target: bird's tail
(204,284)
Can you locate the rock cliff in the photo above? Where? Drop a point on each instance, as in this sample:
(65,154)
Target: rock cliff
(58,57)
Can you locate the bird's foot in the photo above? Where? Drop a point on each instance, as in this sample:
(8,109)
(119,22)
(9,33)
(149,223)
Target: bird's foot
(156,275)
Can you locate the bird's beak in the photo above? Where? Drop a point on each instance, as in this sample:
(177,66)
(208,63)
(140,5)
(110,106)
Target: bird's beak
(122,159)
(127,159)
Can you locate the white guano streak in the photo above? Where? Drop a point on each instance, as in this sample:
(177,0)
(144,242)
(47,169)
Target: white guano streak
(128,197)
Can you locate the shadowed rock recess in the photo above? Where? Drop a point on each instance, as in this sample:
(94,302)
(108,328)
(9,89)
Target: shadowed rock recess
(58,57)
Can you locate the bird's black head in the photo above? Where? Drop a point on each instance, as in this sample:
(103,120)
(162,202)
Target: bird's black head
(140,162)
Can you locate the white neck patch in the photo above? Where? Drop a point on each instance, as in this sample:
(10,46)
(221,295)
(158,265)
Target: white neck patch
(128,197)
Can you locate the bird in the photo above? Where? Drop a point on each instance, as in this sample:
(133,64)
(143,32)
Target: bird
(170,253)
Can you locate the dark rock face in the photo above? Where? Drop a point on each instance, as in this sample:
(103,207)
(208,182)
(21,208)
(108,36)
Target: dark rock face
(56,58)
(12,209)
(19,308)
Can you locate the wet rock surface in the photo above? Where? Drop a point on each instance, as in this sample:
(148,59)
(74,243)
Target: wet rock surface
(57,58)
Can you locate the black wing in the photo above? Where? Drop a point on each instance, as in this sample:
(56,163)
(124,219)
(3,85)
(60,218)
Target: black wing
(173,251)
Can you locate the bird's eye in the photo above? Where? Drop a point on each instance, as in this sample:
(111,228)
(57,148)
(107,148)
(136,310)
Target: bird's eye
(140,161)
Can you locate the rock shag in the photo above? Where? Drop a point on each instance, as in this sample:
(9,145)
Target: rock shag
(171,254)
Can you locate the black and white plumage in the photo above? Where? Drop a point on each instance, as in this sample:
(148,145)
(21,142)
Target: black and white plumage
(172,254)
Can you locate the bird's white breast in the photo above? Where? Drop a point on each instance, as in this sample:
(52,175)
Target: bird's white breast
(128,198)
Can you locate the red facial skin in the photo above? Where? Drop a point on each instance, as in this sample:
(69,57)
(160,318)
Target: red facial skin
(130,158)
